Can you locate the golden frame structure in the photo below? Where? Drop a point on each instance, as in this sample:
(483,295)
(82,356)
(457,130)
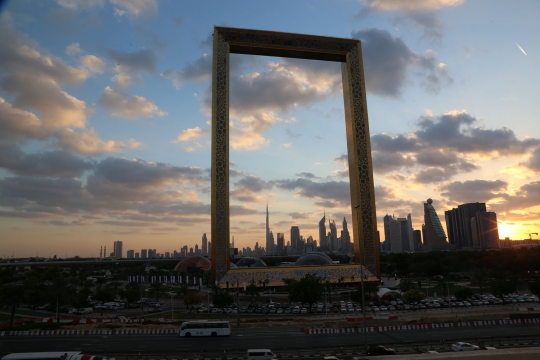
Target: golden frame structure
(268,43)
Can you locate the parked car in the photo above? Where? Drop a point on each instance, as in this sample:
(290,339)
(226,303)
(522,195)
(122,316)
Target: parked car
(375,350)
(463,346)
(154,310)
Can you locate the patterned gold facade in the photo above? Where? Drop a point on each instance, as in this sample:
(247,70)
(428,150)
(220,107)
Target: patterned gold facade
(346,51)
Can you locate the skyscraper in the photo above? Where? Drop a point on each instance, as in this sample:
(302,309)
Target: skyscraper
(204,245)
(117,248)
(410,230)
(386,245)
(432,230)
(487,229)
(280,243)
(396,245)
(269,235)
(345,238)
(458,225)
(332,238)
(322,234)
(144,254)
(295,237)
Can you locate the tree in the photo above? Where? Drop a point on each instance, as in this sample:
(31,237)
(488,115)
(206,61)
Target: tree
(103,295)
(11,295)
(131,295)
(308,290)
(480,278)
(289,284)
(535,288)
(406,285)
(463,294)
(413,295)
(221,298)
(80,301)
(192,298)
(252,290)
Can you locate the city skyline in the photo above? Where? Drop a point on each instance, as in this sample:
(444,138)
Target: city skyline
(105,110)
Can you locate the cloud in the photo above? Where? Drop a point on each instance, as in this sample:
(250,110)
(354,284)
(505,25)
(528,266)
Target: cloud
(421,13)
(42,164)
(130,65)
(478,190)
(199,70)
(80,4)
(299,215)
(533,162)
(247,189)
(17,124)
(134,8)
(128,106)
(93,63)
(387,60)
(336,193)
(439,148)
(140,174)
(87,142)
(411,5)
(192,134)
(73,49)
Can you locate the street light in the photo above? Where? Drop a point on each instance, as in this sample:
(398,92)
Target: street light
(172,307)
(362,280)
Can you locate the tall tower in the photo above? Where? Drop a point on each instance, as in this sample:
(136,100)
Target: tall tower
(322,234)
(269,235)
(295,238)
(433,233)
(345,238)
(204,245)
(387,238)
(333,236)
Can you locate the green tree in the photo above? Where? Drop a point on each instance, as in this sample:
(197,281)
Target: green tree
(131,295)
(535,288)
(463,294)
(221,298)
(480,278)
(80,300)
(308,290)
(191,298)
(253,291)
(413,295)
(103,295)
(289,284)
(406,285)
(11,295)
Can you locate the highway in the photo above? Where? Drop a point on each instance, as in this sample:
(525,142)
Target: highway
(280,339)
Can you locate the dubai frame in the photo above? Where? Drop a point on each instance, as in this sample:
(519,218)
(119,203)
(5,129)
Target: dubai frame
(268,43)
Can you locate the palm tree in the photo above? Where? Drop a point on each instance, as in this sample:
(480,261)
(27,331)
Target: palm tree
(289,283)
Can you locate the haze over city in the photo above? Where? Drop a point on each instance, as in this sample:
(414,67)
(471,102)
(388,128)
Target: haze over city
(105,108)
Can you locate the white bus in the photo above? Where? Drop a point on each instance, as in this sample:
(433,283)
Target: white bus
(205,328)
(52,355)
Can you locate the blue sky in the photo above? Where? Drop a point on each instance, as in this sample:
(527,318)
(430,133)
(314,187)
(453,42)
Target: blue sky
(104,118)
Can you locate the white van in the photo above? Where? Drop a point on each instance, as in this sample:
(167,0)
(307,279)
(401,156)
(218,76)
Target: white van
(260,354)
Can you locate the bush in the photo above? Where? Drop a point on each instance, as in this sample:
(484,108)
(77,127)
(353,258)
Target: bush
(413,295)
(463,294)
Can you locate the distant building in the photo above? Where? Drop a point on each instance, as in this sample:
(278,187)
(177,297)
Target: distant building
(144,254)
(396,245)
(280,243)
(204,245)
(332,236)
(295,237)
(117,247)
(137,255)
(323,241)
(487,229)
(269,235)
(130,254)
(417,236)
(345,238)
(459,225)
(432,230)
(386,221)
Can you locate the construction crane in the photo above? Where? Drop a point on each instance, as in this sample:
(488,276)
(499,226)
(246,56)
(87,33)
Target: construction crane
(531,234)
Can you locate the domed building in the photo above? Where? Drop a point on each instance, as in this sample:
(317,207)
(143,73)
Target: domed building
(314,258)
(193,261)
(249,261)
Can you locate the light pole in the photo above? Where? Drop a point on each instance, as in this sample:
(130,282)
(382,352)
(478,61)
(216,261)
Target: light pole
(172,307)
(362,281)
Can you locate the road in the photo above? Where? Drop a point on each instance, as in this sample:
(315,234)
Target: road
(279,339)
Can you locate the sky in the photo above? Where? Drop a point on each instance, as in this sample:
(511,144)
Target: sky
(105,110)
